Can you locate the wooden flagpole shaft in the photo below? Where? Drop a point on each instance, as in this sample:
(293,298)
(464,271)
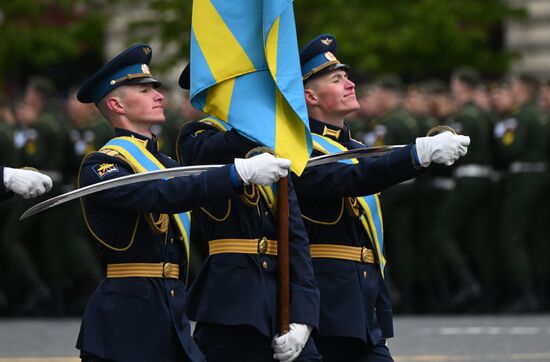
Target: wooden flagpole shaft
(283,256)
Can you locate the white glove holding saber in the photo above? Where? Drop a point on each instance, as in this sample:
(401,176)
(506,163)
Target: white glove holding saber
(263,169)
(444,148)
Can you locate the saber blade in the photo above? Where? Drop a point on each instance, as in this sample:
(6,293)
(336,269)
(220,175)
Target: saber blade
(120,181)
(190,170)
(355,153)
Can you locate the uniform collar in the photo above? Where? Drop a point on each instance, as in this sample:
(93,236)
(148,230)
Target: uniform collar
(329,130)
(150,143)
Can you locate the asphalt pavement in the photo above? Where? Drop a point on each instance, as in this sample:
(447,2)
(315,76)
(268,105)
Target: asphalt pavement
(418,339)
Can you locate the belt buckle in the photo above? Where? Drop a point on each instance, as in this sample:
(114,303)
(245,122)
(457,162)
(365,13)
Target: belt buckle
(364,254)
(262,245)
(166,270)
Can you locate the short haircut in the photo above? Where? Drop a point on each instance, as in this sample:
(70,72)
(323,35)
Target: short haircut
(467,75)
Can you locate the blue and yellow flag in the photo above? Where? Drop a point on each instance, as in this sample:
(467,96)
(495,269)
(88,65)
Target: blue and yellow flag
(246,71)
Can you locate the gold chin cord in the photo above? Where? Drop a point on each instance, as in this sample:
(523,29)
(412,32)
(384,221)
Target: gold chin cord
(439,129)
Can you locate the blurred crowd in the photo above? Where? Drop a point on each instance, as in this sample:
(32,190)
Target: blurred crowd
(473,237)
(470,238)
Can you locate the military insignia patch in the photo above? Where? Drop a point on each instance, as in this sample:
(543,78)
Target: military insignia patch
(146,50)
(326,41)
(104,169)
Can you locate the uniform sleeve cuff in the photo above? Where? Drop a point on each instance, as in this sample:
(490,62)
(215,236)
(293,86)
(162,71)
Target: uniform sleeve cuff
(415,158)
(235,180)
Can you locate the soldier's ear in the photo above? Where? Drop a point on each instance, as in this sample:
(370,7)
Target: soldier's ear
(115,105)
(311,97)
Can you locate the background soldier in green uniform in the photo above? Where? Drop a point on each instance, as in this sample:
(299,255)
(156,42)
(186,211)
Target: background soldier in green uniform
(38,260)
(7,157)
(396,126)
(460,230)
(429,189)
(523,146)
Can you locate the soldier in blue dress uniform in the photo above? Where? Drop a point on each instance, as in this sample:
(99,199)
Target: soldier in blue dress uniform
(137,311)
(344,226)
(234,297)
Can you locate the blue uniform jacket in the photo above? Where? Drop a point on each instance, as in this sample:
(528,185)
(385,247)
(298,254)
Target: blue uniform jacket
(352,305)
(241,289)
(138,318)
(4,193)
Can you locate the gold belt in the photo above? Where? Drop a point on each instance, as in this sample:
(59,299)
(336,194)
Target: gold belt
(147,270)
(355,253)
(243,246)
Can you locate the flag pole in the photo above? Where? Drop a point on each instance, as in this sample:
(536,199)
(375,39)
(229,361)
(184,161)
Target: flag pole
(283,256)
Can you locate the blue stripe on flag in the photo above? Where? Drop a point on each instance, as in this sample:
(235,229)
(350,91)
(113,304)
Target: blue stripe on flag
(273,9)
(289,82)
(254,94)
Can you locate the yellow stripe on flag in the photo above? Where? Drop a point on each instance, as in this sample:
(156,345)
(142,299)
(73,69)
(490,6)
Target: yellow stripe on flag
(271,47)
(290,134)
(218,99)
(212,35)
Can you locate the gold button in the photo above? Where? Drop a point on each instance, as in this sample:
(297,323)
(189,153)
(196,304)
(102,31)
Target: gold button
(265,265)
(166,269)
(365,274)
(262,245)
(172,293)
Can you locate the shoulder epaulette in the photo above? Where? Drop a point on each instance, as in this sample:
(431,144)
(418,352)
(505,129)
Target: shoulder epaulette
(110,152)
(215,123)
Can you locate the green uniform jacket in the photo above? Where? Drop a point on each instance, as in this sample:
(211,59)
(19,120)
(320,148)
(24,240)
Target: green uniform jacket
(527,140)
(401,127)
(472,121)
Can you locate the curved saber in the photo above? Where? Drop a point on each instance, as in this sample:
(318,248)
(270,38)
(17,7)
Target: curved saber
(120,181)
(186,171)
(355,153)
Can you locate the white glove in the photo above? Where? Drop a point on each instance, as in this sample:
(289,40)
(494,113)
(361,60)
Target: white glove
(263,169)
(289,346)
(26,183)
(443,148)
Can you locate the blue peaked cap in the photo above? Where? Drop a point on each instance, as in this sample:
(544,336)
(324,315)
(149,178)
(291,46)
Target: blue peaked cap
(184,80)
(319,57)
(129,67)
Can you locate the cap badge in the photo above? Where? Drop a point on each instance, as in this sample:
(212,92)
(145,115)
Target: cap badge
(330,57)
(326,41)
(146,50)
(145,69)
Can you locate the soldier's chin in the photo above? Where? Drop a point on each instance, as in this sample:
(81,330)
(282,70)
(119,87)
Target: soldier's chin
(354,106)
